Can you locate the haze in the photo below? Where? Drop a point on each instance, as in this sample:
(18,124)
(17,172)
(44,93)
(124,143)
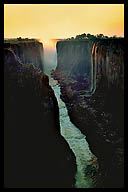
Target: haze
(53,21)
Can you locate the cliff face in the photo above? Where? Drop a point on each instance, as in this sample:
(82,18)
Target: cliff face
(108,59)
(74,61)
(100,116)
(72,54)
(35,154)
(28,51)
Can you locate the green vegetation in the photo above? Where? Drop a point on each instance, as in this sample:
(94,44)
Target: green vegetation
(92,37)
(18,40)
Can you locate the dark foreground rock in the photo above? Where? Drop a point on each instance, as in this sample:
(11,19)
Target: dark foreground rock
(35,154)
(101,116)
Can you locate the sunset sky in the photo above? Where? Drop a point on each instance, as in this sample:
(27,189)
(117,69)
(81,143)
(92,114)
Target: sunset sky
(47,21)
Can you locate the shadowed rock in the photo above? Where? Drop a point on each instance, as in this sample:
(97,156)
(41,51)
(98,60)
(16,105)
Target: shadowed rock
(101,116)
(35,154)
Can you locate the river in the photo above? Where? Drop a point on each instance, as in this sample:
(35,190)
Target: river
(76,140)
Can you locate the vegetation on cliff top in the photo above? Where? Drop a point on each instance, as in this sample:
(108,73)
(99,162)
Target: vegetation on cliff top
(92,37)
(19,40)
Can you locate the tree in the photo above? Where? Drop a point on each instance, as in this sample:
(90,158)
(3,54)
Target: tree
(92,37)
(100,36)
(19,39)
(82,36)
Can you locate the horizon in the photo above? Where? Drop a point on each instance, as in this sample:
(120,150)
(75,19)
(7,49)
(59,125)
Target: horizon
(62,21)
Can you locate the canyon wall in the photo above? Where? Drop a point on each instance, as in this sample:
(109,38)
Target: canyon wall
(108,58)
(35,153)
(71,54)
(74,61)
(99,116)
(29,51)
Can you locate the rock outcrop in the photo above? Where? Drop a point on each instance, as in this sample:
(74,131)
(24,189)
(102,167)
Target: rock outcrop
(101,116)
(29,51)
(35,153)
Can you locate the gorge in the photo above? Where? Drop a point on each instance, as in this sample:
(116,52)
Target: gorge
(86,169)
(87,87)
(100,115)
(35,153)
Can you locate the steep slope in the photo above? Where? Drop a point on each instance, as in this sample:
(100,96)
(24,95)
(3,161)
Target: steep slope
(101,115)
(35,153)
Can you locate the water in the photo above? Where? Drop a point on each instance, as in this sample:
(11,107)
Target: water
(76,140)
(77,143)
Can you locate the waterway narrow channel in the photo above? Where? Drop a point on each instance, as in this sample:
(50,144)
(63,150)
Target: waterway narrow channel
(76,140)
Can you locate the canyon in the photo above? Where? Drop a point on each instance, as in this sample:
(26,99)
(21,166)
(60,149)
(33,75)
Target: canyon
(89,79)
(35,153)
(100,114)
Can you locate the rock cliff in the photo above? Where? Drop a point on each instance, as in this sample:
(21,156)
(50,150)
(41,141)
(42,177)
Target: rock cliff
(35,153)
(29,51)
(70,55)
(100,115)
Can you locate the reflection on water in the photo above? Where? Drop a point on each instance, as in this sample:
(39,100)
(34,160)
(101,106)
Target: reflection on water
(77,143)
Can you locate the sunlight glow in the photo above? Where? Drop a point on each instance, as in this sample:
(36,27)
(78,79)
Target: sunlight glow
(52,21)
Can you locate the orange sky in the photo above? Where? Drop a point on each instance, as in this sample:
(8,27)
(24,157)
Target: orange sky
(62,20)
